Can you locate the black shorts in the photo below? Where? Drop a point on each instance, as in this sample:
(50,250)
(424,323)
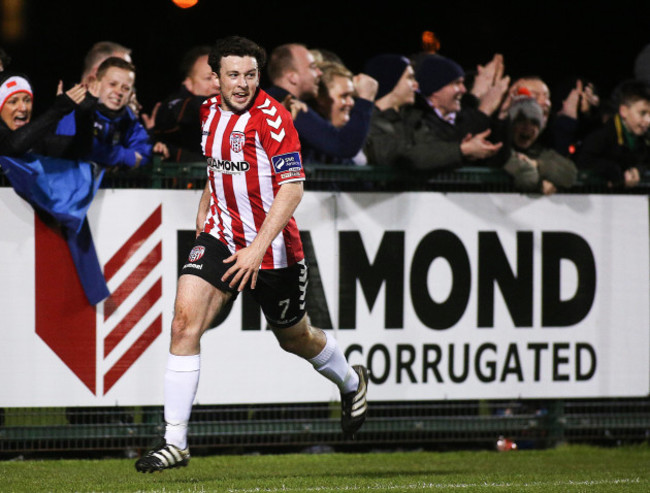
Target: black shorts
(279,292)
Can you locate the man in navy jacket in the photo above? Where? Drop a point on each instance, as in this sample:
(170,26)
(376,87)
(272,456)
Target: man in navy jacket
(293,73)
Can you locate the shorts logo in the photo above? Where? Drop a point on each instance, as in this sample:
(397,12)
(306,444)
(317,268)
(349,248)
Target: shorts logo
(237,140)
(196,253)
(287,162)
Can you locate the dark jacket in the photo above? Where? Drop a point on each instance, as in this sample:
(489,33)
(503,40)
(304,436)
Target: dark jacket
(178,125)
(323,143)
(416,138)
(37,133)
(108,138)
(551,166)
(610,151)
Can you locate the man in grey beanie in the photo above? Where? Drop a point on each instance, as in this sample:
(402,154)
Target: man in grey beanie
(534,167)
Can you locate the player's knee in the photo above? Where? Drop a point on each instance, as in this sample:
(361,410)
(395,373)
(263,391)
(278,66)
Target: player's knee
(293,342)
(181,327)
(303,341)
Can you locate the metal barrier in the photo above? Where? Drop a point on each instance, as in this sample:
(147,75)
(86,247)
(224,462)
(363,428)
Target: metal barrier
(466,424)
(459,424)
(163,174)
(361,178)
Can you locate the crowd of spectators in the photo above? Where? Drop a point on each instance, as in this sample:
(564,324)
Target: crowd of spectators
(421,113)
(414,115)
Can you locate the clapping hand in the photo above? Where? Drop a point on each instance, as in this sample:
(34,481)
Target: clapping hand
(76,93)
(477,146)
(490,84)
(488,75)
(580,100)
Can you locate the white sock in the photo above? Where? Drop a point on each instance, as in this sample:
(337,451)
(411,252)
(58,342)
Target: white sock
(181,383)
(331,363)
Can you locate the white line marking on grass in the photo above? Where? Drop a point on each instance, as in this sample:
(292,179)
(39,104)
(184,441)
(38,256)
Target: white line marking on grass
(441,486)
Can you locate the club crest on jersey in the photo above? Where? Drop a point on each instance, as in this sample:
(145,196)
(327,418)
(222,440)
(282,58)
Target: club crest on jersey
(196,253)
(237,140)
(287,165)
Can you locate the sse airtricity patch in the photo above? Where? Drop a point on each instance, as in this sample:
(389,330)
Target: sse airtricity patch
(287,165)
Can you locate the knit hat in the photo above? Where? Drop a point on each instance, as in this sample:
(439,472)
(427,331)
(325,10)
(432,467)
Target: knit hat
(524,104)
(386,69)
(12,84)
(436,71)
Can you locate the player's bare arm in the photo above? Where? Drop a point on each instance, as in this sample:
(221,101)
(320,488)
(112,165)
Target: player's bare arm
(202,213)
(248,260)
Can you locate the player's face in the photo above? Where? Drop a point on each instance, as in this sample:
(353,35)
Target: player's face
(17,110)
(238,79)
(340,100)
(405,88)
(447,98)
(201,81)
(115,87)
(636,116)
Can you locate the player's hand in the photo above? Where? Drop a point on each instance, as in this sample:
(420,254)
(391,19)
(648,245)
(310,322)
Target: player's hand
(246,266)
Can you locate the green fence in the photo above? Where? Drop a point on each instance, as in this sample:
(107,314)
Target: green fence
(362,178)
(427,424)
(464,424)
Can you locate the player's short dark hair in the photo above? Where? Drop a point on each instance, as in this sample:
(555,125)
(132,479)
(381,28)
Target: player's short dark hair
(190,58)
(114,61)
(235,46)
(630,91)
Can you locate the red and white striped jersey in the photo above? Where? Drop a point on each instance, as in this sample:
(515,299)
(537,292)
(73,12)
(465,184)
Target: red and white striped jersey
(250,155)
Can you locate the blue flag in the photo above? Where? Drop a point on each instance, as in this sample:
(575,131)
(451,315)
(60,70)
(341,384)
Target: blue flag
(64,189)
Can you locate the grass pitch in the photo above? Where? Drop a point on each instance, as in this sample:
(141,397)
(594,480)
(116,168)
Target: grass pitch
(565,469)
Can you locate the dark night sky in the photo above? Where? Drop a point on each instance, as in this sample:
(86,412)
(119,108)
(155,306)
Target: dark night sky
(555,39)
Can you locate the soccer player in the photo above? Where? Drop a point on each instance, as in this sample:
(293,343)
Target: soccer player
(247,240)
